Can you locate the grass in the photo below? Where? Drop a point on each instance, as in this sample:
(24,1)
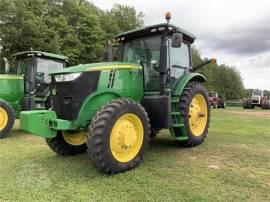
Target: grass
(233,164)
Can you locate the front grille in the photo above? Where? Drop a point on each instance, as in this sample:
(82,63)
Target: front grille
(255,102)
(71,94)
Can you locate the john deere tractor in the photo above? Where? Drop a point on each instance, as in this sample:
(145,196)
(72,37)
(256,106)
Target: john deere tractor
(110,109)
(25,84)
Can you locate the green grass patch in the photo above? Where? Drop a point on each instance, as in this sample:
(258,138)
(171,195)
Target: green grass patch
(233,164)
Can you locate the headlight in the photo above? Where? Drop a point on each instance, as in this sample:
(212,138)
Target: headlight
(67,77)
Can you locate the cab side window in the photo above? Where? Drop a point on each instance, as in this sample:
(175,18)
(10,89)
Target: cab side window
(180,61)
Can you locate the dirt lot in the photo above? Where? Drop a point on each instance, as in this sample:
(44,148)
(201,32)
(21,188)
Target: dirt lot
(254,113)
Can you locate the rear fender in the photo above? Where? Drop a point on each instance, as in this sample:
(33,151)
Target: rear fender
(183,81)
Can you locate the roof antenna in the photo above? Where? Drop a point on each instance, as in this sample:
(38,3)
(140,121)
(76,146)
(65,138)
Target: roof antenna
(168,17)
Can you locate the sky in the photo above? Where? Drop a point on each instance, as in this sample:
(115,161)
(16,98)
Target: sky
(236,32)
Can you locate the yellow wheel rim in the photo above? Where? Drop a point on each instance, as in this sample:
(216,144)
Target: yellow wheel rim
(198,115)
(3,118)
(75,139)
(126,137)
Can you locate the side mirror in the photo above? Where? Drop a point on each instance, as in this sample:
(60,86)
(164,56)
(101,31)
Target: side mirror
(154,64)
(177,39)
(6,65)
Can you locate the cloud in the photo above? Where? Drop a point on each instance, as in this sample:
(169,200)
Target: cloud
(237,33)
(244,40)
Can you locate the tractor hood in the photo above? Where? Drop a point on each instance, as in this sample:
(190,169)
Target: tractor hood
(98,67)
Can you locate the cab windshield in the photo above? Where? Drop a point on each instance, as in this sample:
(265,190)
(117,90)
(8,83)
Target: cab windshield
(257,92)
(44,66)
(146,52)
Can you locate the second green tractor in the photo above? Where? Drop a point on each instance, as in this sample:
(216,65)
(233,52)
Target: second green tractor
(112,109)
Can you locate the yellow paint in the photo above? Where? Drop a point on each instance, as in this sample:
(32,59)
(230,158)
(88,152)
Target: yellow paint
(198,115)
(11,77)
(3,118)
(126,137)
(110,67)
(75,139)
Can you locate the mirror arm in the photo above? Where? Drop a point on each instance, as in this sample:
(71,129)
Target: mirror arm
(110,51)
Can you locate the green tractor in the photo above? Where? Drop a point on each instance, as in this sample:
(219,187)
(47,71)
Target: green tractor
(111,109)
(25,85)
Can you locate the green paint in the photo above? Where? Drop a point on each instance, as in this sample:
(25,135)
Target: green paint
(38,122)
(98,67)
(12,90)
(181,83)
(128,83)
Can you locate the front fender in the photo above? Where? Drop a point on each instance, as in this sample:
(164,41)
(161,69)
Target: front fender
(92,104)
(182,82)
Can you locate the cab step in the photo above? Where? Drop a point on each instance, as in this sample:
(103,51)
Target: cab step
(181,138)
(174,100)
(178,125)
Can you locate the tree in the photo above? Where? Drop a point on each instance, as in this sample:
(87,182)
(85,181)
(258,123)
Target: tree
(75,28)
(69,27)
(127,17)
(223,79)
(119,19)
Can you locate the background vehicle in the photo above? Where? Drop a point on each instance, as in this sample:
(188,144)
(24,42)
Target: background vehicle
(25,85)
(110,109)
(216,101)
(257,99)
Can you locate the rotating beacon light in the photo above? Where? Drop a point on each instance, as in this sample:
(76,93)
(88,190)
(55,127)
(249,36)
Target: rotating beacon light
(168,16)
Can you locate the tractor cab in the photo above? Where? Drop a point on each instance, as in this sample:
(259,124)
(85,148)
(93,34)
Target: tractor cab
(162,48)
(35,66)
(25,84)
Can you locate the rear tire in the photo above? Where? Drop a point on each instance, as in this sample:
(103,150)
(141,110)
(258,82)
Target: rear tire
(60,146)
(265,104)
(115,146)
(7,118)
(196,133)
(250,105)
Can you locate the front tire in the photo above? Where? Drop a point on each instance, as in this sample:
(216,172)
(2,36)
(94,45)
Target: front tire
(68,144)
(7,118)
(195,112)
(245,104)
(119,136)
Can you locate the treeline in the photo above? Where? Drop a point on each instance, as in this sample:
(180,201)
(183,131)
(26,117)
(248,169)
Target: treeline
(221,78)
(80,30)
(75,28)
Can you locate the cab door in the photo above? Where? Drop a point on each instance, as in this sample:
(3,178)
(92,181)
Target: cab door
(180,62)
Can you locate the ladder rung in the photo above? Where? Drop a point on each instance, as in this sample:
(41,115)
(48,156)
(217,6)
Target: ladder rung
(174,100)
(181,138)
(178,125)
